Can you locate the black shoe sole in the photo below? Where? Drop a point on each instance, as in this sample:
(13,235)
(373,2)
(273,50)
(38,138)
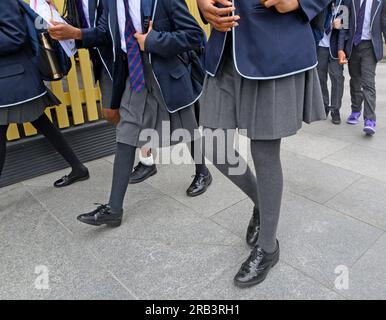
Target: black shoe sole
(75,181)
(244,285)
(152,173)
(98,224)
(192,195)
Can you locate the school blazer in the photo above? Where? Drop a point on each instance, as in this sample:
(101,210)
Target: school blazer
(378,27)
(101,56)
(268,44)
(335,34)
(174,33)
(20,79)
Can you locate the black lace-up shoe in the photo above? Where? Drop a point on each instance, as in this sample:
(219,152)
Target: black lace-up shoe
(200,184)
(256,268)
(102,216)
(253,228)
(142,172)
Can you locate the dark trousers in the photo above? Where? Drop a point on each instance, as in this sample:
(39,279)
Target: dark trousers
(362,66)
(328,67)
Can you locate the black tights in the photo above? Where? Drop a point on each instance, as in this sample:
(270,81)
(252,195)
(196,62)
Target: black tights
(54,136)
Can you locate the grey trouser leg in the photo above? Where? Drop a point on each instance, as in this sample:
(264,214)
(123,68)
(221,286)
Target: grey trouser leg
(335,71)
(323,59)
(362,66)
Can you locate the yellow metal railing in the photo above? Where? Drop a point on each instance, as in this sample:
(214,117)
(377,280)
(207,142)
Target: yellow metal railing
(79,101)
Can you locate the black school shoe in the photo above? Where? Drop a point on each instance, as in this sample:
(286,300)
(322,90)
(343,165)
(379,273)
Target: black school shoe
(142,172)
(102,216)
(200,184)
(335,115)
(72,178)
(256,268)
(253,228)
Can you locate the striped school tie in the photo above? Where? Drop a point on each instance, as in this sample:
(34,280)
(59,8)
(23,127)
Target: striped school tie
(360,23)
(136,75)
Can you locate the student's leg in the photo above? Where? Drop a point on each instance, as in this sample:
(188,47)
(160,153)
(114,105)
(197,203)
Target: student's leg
(337,84)
(3,146)
(335,71)
(56,138)
(368,68)
(195,149)
(111,214)
(266,158)
(145,168)
(354,68)
(123,165)
(265,255)
(203,178)
(323,58)
(245,181)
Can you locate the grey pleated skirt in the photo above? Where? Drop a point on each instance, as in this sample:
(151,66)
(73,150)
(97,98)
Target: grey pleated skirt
(28,111)
(264,109)
(146,121)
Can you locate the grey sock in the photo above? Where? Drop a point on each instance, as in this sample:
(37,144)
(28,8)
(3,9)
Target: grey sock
(123,166)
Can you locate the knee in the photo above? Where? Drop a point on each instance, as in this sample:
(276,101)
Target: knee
(111,115)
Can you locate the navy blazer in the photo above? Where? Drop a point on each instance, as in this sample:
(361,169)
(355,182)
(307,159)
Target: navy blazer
(268,44)
(378,26)
(20,79)
(334,40)
(174,33)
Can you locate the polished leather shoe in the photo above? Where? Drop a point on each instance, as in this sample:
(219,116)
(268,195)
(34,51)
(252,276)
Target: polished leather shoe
(72,178)
(142,172)
(200,184)
(253,228)
(256,268)
(102,216)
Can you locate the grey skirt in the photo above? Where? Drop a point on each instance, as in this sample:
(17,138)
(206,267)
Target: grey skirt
(106,86)
(28,111)
(145,120)
(263,109)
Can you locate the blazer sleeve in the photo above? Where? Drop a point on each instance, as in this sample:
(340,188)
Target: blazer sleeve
(13,31)
(187,35)
(311,8)
(98,36)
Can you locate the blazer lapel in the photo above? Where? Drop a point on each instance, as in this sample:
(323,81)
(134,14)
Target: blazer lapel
(92,11)
(374,8)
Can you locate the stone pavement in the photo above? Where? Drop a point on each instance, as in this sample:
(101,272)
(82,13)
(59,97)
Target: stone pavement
(169,246)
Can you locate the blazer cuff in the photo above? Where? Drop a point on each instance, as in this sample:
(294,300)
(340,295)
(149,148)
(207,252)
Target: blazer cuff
(151,42)
(87,38)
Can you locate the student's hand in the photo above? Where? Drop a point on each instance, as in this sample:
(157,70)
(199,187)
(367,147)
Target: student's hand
(342,57)
(337,24)
(219,18)
(141,37)
(283,6)
(62,31)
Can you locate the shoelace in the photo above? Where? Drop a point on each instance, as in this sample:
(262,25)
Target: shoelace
(103,208)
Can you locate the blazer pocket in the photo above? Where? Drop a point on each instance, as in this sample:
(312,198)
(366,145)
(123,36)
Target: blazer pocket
(11,71)
(178,72)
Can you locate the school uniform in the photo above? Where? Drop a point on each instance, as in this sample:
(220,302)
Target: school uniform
(328,63)
(170,92)
(261,77)
(26,97)
(23,103)
(156,87)
(364,49)
(89,12)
